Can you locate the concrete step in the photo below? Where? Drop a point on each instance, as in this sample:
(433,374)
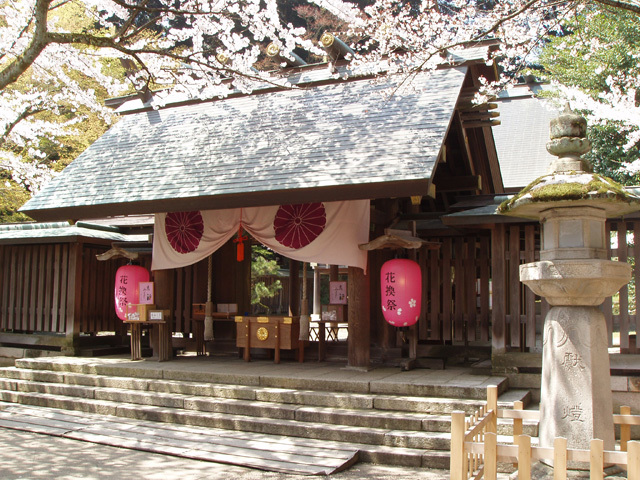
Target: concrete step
(166,393)
(371,411)
(468,387)
(270,425)
(393,419)
(417,404)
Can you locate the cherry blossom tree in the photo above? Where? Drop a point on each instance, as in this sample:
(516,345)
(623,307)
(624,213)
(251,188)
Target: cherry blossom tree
(207,48)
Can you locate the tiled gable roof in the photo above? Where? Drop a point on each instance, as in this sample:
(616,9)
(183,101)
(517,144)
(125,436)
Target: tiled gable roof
(351,138)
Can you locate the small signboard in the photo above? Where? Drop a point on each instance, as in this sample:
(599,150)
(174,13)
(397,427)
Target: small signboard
(146,293)
(338,293)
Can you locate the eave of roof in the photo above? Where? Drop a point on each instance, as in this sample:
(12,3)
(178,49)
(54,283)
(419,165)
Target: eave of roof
(340,141)
(61,232)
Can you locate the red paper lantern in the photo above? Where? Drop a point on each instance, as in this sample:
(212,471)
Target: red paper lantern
(401,289)
(127,288)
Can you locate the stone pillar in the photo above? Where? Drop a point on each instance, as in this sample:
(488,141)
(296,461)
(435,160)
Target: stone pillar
(576,389)
(575,276)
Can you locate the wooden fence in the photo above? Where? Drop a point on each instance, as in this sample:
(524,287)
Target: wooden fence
(456,290)
(475,451)
(518,314)
(44,287)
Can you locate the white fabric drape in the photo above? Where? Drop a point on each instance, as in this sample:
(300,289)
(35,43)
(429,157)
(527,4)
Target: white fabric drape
(346,225)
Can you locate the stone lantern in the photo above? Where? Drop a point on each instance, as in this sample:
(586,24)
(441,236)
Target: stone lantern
(575,276)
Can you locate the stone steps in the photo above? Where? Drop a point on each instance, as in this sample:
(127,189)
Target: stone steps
(407,429)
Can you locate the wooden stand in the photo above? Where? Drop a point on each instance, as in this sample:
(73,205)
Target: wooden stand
(164,339)
(277,333)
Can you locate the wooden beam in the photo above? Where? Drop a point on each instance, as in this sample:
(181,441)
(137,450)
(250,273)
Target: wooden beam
(478,115)
(480,123)
(460,184)
(294,287)
(164,283)
(498,277)
(359,340)
(74,300)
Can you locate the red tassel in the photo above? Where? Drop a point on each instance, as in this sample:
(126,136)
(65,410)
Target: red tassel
(240,247)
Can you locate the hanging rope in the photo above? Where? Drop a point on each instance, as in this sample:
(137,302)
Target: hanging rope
(208,309)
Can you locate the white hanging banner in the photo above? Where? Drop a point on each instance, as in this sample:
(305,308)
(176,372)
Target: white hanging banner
(327,232)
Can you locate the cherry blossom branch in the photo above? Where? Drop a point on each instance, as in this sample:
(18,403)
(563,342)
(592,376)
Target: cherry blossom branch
(17,67)
(631,7)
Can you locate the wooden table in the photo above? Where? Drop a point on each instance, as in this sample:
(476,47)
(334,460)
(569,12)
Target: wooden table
(273,332)
(164,338)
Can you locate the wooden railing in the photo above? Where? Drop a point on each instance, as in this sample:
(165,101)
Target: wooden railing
(475,451)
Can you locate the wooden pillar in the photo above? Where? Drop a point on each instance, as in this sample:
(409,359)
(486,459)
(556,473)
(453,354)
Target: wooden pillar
(498,285)
(164,291)
(359,342)
(334,276)
(317,307)
(73,314)
(294,287)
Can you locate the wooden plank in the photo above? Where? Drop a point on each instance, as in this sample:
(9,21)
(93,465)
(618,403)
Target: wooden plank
(19,285)
(423,326)
(180,300)
(64,281)
(41,288)
(607,306)
(179,431)
(5,264)
(514,285)
(10,324)
(596,471)
(485,312)
(73,314)
(359,338)
(255,450)
(59,265)
(49,287)
(471,274)
(458,458)
(446,289)
(560,458)
(188,295)
(102,292)
(33,288)
(498,277)
(625,430)
(633,465)
(87,292)
(624,291)
(490,456)
(530,297)
(524,457)
(434,296)
(22,426)
(459,289)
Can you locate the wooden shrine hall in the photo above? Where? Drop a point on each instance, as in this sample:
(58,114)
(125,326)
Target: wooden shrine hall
(386,170)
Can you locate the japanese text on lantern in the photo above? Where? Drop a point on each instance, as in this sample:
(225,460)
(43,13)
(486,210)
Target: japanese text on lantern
(121,291)
(390,290)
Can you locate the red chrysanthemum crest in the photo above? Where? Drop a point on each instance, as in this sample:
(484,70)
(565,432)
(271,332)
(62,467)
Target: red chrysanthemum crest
(184,230)
(298,225)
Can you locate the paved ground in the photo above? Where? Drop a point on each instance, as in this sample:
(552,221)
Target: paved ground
(27,456)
